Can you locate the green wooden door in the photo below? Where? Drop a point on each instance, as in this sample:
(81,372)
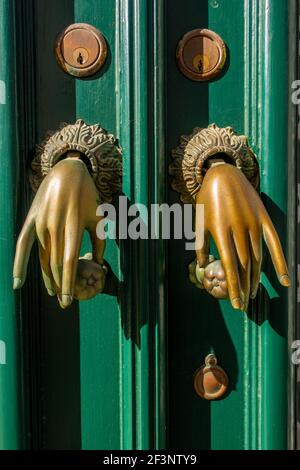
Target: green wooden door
(116,372)
(253,97)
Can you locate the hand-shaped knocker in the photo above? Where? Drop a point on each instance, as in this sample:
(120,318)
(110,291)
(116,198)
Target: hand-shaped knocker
(216,168)
(76,168)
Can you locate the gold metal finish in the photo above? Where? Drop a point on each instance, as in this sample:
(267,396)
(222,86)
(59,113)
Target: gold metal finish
(75,168)
(80,50)
(201,55)
(215,168)
(210,381)
(236,219)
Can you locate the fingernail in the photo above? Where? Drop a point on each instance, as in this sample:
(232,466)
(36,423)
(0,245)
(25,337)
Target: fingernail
(237,303)
(17,282)
(67,300)
(253,295)
(285,281)
(51,292)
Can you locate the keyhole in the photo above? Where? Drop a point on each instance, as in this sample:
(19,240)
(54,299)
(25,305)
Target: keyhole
(80,59)
(200,65)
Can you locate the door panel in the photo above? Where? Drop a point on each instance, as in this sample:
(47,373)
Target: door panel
(95,374)
(251,348)
(80,346)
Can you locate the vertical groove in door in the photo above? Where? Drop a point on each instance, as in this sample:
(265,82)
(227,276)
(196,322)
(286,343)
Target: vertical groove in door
(140,121)
(141,156)
(133,136)
(18,105)
(274,170)
(292,217)
(252,128)
(10,399)
(30,294)
(124,117)
(100,320)
(159,196)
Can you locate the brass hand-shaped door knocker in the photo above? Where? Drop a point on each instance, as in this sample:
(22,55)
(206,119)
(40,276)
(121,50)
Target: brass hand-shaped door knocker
(74,170)
(216,168)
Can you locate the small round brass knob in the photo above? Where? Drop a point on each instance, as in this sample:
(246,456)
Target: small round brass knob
(210,381)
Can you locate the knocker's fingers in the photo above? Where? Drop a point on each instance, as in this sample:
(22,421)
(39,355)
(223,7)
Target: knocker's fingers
(255,277)
(98,245)
(23,249)
(60,301)
(228,257)
(256,260)
(56,254)
(202,248)
(245,277)
(73,239)
(241,243)
(44,256)
(275,249)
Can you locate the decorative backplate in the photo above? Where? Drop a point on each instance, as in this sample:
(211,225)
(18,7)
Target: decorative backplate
(95,143)
(188,159)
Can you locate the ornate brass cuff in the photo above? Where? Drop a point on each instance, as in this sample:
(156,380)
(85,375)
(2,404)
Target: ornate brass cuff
(188,159)
(99,147)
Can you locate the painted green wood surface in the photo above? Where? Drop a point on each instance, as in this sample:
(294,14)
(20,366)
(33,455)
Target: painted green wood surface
(140,117)
(100,320)
(10,387)
(95,374)
(252,97)
(122,345)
